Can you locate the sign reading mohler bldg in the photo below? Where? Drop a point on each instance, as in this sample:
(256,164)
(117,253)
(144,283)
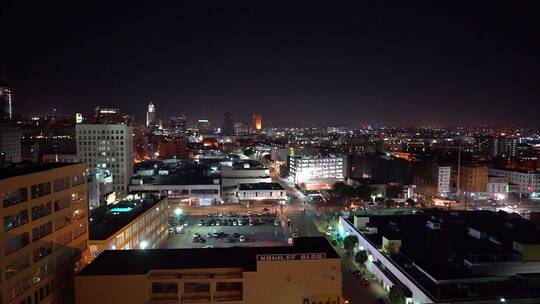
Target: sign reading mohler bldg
(290,257)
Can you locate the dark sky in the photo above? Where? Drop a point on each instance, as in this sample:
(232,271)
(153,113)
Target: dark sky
(383,62)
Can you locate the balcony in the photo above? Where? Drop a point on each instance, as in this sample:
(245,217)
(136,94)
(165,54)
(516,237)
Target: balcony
(223,296)
(196,297)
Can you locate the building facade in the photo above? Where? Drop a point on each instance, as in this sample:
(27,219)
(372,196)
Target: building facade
(307,272)
(110,147)
(151,118)
(317,172)
(44,235)
(528,182)
(474,179)
(261,192)
(148,230)
(6,103)
(10,144)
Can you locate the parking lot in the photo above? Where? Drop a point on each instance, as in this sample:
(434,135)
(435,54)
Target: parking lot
(258,228)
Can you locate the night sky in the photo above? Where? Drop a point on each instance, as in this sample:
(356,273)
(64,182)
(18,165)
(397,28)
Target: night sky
(381,62)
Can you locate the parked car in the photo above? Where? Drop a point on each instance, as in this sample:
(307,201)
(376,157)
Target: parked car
(242,239)
(294,235)
(276,223)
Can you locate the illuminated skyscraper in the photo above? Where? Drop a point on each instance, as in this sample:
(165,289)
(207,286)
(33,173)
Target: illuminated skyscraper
(256,121)
(6,103)
(151,115)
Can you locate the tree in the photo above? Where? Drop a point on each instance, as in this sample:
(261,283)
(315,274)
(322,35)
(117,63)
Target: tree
(389,203)
(410,202)
(249,152)
(363,191)
(361,257)
(396,295)
(337,187)
(350,242)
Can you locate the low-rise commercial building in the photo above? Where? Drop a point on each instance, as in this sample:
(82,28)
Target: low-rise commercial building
(137,222)
(261,192)
(44,237)
(307,272)
(439,256)
(528,182)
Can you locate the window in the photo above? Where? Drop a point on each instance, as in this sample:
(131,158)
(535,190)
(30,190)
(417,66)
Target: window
(62,221)
(197,287)
(164,287)
(15,197)
(62,203)
(41,231)
(17,266)
(61,184)
(80,230)
(77,179)
(42,251)
(16,242)
(228,286)
(41,210)
(15,220)
(40,190)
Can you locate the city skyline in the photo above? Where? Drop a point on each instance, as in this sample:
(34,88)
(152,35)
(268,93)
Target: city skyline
(376,64)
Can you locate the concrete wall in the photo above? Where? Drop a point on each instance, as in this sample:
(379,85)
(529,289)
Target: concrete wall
(111,289)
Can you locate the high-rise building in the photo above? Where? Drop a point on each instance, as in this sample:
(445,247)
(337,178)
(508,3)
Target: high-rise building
(44,237)
(256,122)
(178,124)
(10,144)
(204,126)
(110,147)
(228,125)
(151,119)
(6,103)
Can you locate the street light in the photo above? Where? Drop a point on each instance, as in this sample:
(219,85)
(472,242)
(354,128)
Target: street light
(177,211)
(143,244)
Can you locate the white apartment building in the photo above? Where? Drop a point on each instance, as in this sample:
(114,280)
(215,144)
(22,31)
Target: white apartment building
(528,182)
(497,187)
(110,147)
(443,181)
(317,172)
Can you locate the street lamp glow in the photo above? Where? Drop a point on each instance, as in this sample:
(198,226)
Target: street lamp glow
(502,300)
(177,211)
(143,244)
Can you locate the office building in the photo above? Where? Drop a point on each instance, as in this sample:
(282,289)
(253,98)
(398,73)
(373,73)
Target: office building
(307,272)
(473,179)
(109,116)
(317,172)
(244,172)
(137,222)
(438,256)
(204,126)
(256,122)
(151,118)
(259,192)
(100,187)
(44,237)
(527,182)
(10,144)
(497,187)
(177,124)
(6,103)
(228,124)
(444,176)
(107,146)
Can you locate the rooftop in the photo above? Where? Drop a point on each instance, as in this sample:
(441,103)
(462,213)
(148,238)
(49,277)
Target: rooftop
(25,168)
(107,220)
(134,262)
(260,186)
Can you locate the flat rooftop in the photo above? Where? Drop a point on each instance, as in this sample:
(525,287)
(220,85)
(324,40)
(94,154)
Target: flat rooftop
(136,262)
(25,168)
(107,220)
(260,186)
